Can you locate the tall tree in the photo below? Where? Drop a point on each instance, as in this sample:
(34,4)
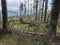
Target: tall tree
(24,8)
(42,10)
(4,15)
(39,5)
(31,8)
(36,7)
(46,5)
(28,10)
(21,9)
(54,18)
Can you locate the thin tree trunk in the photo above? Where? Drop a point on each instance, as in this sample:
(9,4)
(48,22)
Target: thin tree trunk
(39,14)
(36,9)
(42,11)
(25,8)
(20,9)
(46,5)
(4,15)
(54,19)
(28,11)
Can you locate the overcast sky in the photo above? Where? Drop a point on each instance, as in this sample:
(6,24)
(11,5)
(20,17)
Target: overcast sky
(14,4)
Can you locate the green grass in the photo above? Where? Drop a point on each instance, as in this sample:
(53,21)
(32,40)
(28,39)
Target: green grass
(18,26)
(7,39)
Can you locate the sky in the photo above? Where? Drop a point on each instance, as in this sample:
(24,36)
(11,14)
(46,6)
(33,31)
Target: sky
(14,4)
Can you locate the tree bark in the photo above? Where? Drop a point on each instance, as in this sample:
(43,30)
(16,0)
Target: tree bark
(36,9)
(4,15)
(46,5)
(28,11)
(54,19)
(42,10)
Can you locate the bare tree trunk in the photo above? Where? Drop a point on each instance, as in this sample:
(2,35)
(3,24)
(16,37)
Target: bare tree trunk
(54,19)
(46,5)
(20,9)
(4,15)
(25,8)
(28,11)
(36,9)
(42,10)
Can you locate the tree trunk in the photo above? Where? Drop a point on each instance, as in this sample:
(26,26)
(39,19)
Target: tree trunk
(36,9)
(4,15)
(42,10)
(54,19)
(20,9)
(28,11)
(46,5)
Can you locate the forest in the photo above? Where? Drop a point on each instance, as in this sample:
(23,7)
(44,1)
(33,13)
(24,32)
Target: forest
(36,23)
